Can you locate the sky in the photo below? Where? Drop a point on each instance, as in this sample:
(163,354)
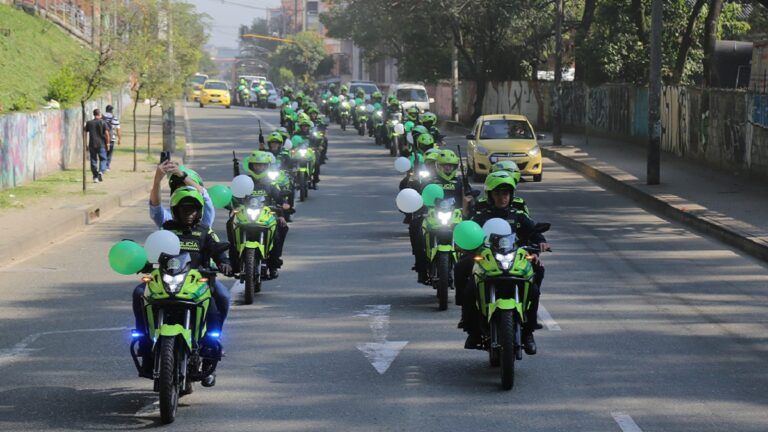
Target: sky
(227,16)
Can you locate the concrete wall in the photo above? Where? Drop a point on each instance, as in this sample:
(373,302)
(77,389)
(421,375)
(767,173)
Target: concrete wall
(39,143)
(727,129)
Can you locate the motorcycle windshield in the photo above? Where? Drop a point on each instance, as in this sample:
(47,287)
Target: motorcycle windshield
(503,244)
(446,205)
(175,264)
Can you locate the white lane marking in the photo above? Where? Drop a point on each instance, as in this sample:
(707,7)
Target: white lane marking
(150,410)
(380,353)
(7,356)
(269,125)
(547,320)
(625,422)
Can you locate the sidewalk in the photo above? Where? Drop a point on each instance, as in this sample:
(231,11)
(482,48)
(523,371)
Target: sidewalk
(54,207)
(730,208)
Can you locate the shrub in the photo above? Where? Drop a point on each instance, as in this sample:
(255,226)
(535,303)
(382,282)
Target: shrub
(63,86)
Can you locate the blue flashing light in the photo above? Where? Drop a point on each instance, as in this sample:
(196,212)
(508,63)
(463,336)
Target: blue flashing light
(214,334)
(136,334)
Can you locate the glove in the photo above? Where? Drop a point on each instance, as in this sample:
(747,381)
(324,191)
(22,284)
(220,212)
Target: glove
(226,269)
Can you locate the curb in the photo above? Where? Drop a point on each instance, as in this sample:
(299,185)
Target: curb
(706,222)
(43,237)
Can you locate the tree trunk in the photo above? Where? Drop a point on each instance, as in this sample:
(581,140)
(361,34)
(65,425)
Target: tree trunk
(581,35)
(638,15)
(149,128)
(686,42)
(710,37)
(481,82)
(85,140)
(135,132)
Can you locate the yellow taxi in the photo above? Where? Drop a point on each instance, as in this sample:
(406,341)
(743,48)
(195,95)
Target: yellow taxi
(215,93)
(498,137)
(195,86)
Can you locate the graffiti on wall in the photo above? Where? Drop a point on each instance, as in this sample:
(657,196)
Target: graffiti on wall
(598,108)
(640,113)
(574,102)
(515,97)
(759,109)
(674,120)
(39,143)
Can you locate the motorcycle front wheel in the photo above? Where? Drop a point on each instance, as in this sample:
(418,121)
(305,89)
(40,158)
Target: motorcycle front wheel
(506,332)
(303,192)
(252,275)
(169,379)
(443,279)
(393,146)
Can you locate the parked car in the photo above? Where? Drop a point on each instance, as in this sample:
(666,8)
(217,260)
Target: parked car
(368,87)
(215,93)
(411,95)
(194,87)
(498,137)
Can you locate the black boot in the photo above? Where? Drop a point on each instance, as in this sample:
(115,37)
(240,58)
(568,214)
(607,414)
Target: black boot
(529,343)
(474,341)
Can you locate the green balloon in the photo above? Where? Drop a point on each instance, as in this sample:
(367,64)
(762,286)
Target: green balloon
(221,196)
(358,101)
(127,257)
(432,192)
(377,106)
(297,140)
(468,235)
(408,126)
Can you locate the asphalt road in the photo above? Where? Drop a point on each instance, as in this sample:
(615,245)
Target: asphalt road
(652,327)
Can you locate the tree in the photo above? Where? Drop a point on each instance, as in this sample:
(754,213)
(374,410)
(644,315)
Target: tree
(301,56)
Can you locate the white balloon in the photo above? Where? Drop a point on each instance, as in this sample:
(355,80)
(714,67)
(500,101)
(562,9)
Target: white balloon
(287,144)
(409,138)
(402,164)
(399,129)
(369,108)
(496,226)
(352,103)
(242,186)
(409,200)
(295,105)
(161,242)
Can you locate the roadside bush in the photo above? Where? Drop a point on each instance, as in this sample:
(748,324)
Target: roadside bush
(63,86)
(22,103)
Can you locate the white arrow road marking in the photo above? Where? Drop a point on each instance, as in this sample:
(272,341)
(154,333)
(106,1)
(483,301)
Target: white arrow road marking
(381,353)
(7,356)
(625,422)
(547,320)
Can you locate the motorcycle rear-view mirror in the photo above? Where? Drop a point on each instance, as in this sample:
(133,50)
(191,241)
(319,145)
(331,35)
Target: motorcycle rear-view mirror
(470,136)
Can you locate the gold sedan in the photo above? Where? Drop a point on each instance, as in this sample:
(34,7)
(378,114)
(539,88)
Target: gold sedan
(499,137)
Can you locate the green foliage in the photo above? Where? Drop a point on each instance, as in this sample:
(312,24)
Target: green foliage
(65,87)
(31,55)
(302,56)
(283,77)
(207,66)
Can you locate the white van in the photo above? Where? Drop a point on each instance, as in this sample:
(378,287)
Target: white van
(411,95)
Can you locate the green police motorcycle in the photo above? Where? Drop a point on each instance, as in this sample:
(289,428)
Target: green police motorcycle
(176,302)
(503,275)
(254,226)
(437,229)
(304,161)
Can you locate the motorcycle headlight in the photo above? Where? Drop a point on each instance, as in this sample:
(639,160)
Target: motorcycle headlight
(302,152)
(482,150)
(395,121)
(444,217)
(423,173)
(534,151)
(505,260)
(273,175)
(253,213)
(173,284)
(318,134)
(345,105)
(379,113)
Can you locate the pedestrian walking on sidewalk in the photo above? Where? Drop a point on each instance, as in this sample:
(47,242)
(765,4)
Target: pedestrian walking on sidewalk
(113,128)
(98,142)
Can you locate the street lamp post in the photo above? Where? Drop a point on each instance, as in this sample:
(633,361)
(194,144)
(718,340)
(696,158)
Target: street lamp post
(653,170)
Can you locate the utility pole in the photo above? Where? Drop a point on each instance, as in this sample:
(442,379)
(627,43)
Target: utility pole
(455,82)
(169,112)
(653,173)
(295,16)
(557,125)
